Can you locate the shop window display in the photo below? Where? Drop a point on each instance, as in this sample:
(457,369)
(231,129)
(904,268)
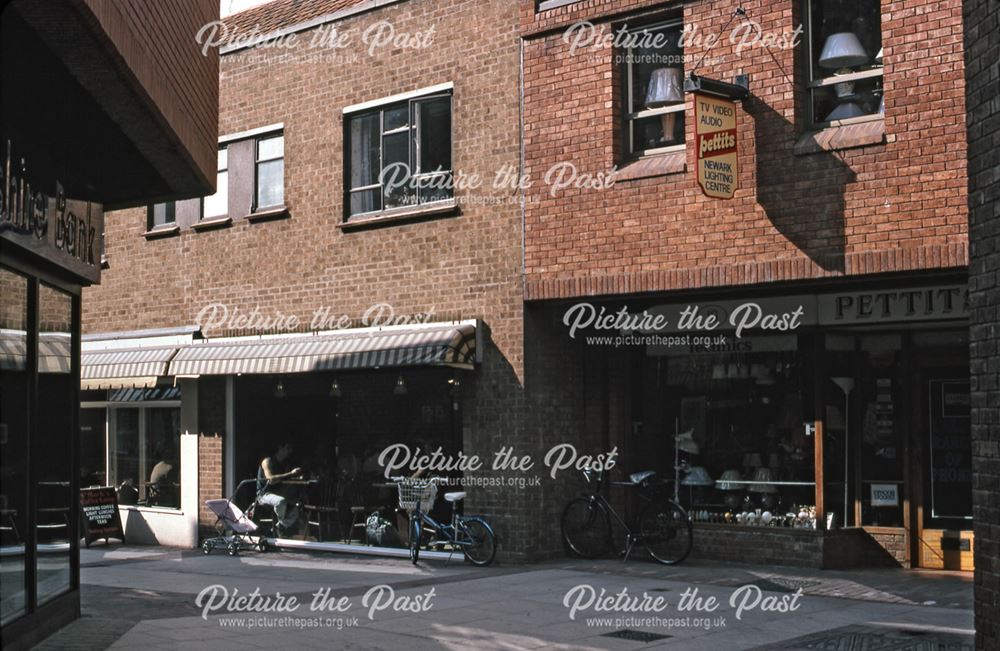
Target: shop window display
(739,423)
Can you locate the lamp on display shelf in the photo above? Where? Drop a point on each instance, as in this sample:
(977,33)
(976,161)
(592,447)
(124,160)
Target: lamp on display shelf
(762,484)
(400,388)
(846,385)
(842,51)
(731,482)
(666,87)
(697,478)
(845,111)
(751,461)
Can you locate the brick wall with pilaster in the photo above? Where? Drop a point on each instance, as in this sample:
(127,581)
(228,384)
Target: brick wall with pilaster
(982,33)
(211,434)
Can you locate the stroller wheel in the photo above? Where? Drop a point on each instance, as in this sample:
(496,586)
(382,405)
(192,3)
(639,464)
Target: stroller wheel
(233,549)
(207,546)
(262,544)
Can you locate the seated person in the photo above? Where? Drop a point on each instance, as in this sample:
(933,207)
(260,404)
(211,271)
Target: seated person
(162,484)
(270,491)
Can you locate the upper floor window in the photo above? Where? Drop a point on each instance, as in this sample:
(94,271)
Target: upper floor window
(845,60)
(161,214)
(218,204)
(653,74)
(269,172)
(399,155)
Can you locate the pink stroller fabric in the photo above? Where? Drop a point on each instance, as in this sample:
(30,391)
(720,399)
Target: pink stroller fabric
(232,516)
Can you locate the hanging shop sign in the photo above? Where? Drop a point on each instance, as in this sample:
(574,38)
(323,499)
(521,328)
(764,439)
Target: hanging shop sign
(715,138)
(66,232)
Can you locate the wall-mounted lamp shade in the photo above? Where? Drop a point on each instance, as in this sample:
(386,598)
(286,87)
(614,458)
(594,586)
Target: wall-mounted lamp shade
(666,86)
(279,390)
(698,476)
(335,389)
(845,111)
(400,388)
(731,480)
(686,442)
(763,475)
(842,50)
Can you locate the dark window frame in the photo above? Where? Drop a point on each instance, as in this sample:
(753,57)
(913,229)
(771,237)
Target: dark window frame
(871,72)
(629,114)
(170,219)
(413,156)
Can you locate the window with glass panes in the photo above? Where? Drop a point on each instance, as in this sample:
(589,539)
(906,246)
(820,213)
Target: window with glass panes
(161,214)
(269,172)
(217,205)
(845,60)
(653,76)
(399,155)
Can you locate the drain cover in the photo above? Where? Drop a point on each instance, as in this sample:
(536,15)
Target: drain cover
(637,636)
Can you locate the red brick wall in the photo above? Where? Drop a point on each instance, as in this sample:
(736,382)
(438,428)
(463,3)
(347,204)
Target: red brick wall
(884,207)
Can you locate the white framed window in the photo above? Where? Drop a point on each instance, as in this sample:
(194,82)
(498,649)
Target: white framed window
(217,205)
(269,171)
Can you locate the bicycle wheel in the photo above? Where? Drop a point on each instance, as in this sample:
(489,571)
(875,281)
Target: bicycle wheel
(666,531)
(415,533)
(482,548)
(586,529)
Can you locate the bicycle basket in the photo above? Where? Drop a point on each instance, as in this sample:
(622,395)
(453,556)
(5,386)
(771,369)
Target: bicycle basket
(412,491)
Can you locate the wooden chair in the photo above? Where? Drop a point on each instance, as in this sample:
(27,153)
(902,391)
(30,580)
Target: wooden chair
(325,511)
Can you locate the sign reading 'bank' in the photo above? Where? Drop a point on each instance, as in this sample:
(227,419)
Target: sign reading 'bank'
(715,138)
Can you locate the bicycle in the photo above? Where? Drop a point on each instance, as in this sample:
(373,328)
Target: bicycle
(472,534)
(664,527)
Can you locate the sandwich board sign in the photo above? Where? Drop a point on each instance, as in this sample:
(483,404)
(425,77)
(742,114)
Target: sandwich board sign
(715,139)
(99,514)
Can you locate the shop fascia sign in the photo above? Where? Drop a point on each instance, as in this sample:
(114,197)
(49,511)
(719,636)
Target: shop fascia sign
(716,142)
(66,232)
(786,314)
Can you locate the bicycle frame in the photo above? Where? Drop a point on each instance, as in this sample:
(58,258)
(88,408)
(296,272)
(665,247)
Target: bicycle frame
(437,529)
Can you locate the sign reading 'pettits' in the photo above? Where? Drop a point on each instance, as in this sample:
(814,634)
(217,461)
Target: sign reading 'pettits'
(715,135)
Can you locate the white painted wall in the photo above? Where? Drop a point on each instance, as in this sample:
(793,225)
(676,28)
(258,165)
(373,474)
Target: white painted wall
(150,525)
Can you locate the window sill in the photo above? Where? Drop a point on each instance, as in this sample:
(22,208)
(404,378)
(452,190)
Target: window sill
(674,162)
(142,508)
(844,136)
(269,214)
(162,231)
(437,209)
(214,222)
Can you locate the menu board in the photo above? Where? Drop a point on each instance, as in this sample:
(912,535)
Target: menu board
(951,449)
(99,515)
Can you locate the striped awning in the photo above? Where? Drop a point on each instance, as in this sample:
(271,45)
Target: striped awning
(124,367)
(54,351)
(443,344)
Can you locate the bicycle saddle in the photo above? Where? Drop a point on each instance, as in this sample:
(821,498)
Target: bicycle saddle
(454,497)
(641,476)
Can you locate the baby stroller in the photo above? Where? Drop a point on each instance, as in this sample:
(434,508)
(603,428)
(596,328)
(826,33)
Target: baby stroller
(236,529)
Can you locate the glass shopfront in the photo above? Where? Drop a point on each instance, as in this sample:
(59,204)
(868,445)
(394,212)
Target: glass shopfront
(337,425)
(39,332)
(857,417)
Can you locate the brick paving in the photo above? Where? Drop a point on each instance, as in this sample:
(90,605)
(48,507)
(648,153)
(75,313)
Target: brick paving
(146,598)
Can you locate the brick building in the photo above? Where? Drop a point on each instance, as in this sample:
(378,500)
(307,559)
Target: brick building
(98,113)
(843,252)
(303,227)
(982,38)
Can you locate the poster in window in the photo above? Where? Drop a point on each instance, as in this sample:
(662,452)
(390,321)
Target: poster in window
(950,449)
